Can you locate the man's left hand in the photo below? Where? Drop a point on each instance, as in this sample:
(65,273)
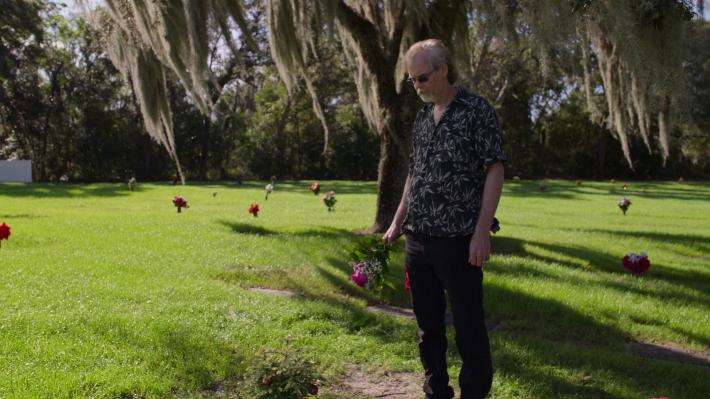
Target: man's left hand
(479,250)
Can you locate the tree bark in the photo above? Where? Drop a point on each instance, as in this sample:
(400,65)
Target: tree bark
(205,148)
(393,167)
(601,153)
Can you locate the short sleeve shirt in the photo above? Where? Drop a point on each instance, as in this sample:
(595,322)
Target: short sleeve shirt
(447,166)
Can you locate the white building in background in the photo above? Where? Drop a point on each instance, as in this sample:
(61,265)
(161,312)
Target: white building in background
(16,171)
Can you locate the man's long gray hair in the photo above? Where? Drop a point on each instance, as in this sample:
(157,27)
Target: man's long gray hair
(438,55)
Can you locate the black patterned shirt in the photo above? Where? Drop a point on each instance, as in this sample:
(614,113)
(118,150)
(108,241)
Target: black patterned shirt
(447,166)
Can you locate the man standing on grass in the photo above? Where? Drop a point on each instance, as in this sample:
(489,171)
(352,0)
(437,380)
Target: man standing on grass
(447,208)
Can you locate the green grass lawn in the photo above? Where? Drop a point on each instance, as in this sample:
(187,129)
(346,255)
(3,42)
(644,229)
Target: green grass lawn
(108,293)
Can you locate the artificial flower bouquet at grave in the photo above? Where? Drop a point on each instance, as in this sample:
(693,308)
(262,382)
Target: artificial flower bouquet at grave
(180,203)
(624,204)
(329,200)
(636,263)
(369,258)
(314,188)
(254,210)
(5,233)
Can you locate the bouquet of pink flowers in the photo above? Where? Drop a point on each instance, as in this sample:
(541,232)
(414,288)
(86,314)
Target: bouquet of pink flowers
(636,263)
(370,261)
(366,273)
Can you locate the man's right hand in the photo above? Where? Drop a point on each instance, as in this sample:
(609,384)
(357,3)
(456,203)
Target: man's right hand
(392,234)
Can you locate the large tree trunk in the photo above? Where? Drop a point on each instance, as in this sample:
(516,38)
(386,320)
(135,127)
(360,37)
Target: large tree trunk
(392,171)
(205,148)
(395,143)
(600,173)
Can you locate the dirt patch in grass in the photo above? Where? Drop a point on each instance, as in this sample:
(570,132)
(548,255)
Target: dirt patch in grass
(668,351)
(359,384)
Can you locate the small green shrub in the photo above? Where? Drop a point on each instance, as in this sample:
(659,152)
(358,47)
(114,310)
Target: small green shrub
(281,374)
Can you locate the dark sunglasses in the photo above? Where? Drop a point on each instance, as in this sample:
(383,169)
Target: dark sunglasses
(423,78)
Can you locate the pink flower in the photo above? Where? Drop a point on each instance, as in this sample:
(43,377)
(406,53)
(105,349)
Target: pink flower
(359,278)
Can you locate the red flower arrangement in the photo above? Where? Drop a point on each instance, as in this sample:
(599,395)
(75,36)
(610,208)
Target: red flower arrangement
(4,232)
(314,188)
(636,263)
(180,203)
(407,287)
(254,209)
(624,204)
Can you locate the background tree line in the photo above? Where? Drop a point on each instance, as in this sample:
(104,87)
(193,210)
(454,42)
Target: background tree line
(64,105)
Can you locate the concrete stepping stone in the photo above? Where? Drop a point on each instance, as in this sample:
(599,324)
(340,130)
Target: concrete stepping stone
(274,292)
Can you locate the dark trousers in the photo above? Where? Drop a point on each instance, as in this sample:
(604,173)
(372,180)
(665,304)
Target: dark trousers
(438,267)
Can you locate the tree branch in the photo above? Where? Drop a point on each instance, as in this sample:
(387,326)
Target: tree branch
(364,34)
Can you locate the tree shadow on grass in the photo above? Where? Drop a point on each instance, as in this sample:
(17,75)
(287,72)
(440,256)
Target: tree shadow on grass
(590,347)
(532,189)
(519,305)
(320,232)
(244,228)
(684,280)
(347,314)
(548,369)
(358,319)
(552,336)
(68,190)
(568,190)
(702,243)
(178,349)
(687,286)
